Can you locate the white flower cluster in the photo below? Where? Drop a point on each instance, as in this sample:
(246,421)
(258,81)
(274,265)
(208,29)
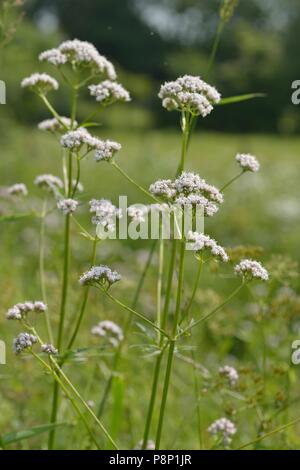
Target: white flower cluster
(106,150)
(150,445)
(247,162)
(189,189)
(20,310)
(105,213)
(55,125)
(49,349)
(80,54)
(230,373)
(49,182)
(108,92)
(138,212)
(40,82)
(109,329)
(200,242)
(250,269)
(67,206)
(102,275)
(18,189)
(224,429)
(190,94)
(24,341)
(74,140)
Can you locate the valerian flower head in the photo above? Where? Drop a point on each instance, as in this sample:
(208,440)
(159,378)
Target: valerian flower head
(49,349)
(24,341)
(224,429)
(74,140)
(230,373)
(49,182)
(193,183)
(250,269)
(67,206)
(163,188)
(109,329)
(138,212)
(209,208)
(40,83)
(101,275)
(248,162)
(227,9)
(55,125)
(84,55)
(189,94)
(105,213)
(108,92)
(199,242)
(18,189)
(54,57)
(21,309)
(106,150)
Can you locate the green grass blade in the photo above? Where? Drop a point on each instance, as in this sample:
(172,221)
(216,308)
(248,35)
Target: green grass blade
(240,98)
(13,437)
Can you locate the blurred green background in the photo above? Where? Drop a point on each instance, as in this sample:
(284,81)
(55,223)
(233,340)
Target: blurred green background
(151,41)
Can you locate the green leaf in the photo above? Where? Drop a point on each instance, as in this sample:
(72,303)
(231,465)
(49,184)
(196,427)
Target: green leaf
(14,217)
(118,388)
(240,98)
(17,436)
(91,124)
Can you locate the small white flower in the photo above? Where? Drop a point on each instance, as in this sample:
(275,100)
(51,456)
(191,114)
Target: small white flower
(74,140)
(40,83)
(230,373)
(193,183)
(105,213)
(49,349)
(109,329)
(18,189)
(223,428)
(248,162)
(102,275)
(21,309)
(200,241)
(49,182)
(67,206)
(24,341)
(79,186)
(106,149)
(54,57)
(138,212)
(82,54)
(250,269)
(209,208)
(163,188)
(108,92)
(190,94)
(55,125)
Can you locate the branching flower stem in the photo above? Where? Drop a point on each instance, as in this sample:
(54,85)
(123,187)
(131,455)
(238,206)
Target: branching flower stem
(143,190)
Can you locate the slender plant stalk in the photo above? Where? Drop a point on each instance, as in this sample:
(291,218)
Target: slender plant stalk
(42,269)
(84,300)
(215,47)
(196,283)
(231,181)
(197,395)
(120,170)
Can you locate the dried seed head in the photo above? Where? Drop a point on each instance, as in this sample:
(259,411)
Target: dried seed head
(227,9)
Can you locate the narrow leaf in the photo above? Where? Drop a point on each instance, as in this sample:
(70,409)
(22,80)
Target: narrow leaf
(17,436)
(240,98)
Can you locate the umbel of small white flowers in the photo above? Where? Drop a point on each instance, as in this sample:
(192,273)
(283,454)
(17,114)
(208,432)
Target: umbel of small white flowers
(189,94)
(105,213)
(230,373)
(20,310)
(100,275)
(110,330)
(40,83)
(224,429)
(49,182)
(108,92)
(250,269)
(49,349)
(189,189)
(75,140)
(24,341)
(67,206)
(55,125)
(18,189)
(199,242)
(248,162)
(81,55)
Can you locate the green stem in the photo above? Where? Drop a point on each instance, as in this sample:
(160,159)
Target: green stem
(196,283)
(120,170)
(42,269)
(231,181)
(53,112)
(215,47)
(185,124)
(172,346)
(84,301)
(137,314)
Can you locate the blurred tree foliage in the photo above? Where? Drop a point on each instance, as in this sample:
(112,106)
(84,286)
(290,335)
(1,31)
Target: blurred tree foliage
(156,40)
